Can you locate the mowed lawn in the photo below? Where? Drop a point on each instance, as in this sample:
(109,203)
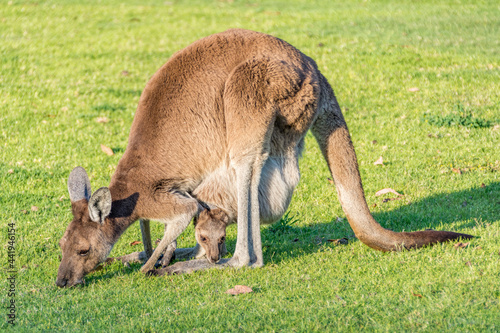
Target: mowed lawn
(419,85)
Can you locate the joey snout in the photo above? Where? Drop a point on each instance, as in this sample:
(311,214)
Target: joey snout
(213,254)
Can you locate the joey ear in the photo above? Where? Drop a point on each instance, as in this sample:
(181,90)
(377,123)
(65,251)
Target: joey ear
(79,185)
(219,214)
(100,205)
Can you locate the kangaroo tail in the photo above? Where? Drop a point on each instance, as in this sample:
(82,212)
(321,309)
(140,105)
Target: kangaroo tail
(334,140)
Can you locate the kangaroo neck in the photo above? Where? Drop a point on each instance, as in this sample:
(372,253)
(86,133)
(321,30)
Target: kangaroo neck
(126,202)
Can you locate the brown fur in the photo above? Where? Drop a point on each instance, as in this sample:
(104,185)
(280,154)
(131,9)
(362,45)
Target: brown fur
(238,103)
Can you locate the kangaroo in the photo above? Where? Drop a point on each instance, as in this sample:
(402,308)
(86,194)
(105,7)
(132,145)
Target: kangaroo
(237,102)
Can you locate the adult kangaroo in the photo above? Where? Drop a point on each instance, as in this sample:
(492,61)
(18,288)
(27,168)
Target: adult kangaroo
(236,102)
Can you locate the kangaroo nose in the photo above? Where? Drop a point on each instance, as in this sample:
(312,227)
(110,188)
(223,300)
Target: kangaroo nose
(214,259)
(61,282)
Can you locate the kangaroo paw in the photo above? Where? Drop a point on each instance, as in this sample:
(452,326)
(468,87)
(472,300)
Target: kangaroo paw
(153,272)
(169,255)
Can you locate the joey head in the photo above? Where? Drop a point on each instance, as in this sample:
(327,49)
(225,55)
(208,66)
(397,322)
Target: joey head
(210,232)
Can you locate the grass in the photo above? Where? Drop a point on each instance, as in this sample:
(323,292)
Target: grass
(461,117)
(66,63)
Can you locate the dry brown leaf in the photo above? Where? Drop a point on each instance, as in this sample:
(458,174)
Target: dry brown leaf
(239,289)
(102,119)
(108,151)
(413,89)
(34,208)
(455,170)
(125,73)
(11,171)
(482,185)
(341,241)
(417,295)
(380,161)
(387,190)
(135,243)
(330,180)
(468,263)
(460,245)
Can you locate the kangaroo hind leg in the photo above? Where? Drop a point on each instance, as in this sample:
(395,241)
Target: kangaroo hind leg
(250,117)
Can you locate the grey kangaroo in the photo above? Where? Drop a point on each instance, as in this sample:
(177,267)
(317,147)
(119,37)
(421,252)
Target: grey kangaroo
(236,103)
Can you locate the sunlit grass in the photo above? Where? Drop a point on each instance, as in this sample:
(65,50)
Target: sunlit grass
(66,64)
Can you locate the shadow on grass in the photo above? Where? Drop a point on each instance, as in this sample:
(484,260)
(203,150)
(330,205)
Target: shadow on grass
(112,271)
(475,206)
(284,240)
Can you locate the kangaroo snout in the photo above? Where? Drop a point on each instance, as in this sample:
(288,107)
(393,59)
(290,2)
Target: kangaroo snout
(61,282)
(67,277)
(213,258)
(66,283)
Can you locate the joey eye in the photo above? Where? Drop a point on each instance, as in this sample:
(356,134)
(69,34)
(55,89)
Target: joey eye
(83,253)
(203,239)
(222,240)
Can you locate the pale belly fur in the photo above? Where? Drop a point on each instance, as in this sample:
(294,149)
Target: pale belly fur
(280,176)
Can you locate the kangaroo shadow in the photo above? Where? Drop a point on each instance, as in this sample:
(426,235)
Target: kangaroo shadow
(476,206)
(284,240)
(103,274)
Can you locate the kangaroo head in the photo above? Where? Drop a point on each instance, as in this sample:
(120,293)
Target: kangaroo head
(84,244)
(210,232)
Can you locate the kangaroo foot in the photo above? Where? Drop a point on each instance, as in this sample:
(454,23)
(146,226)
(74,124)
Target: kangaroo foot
(184,267)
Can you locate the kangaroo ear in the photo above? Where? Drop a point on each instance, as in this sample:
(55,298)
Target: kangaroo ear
(79,185)
(100,205)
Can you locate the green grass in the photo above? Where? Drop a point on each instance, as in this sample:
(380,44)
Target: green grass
(460,117)
(64,64)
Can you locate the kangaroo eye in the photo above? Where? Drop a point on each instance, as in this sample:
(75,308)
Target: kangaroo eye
(83,253)
(203,239)
(222,240)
